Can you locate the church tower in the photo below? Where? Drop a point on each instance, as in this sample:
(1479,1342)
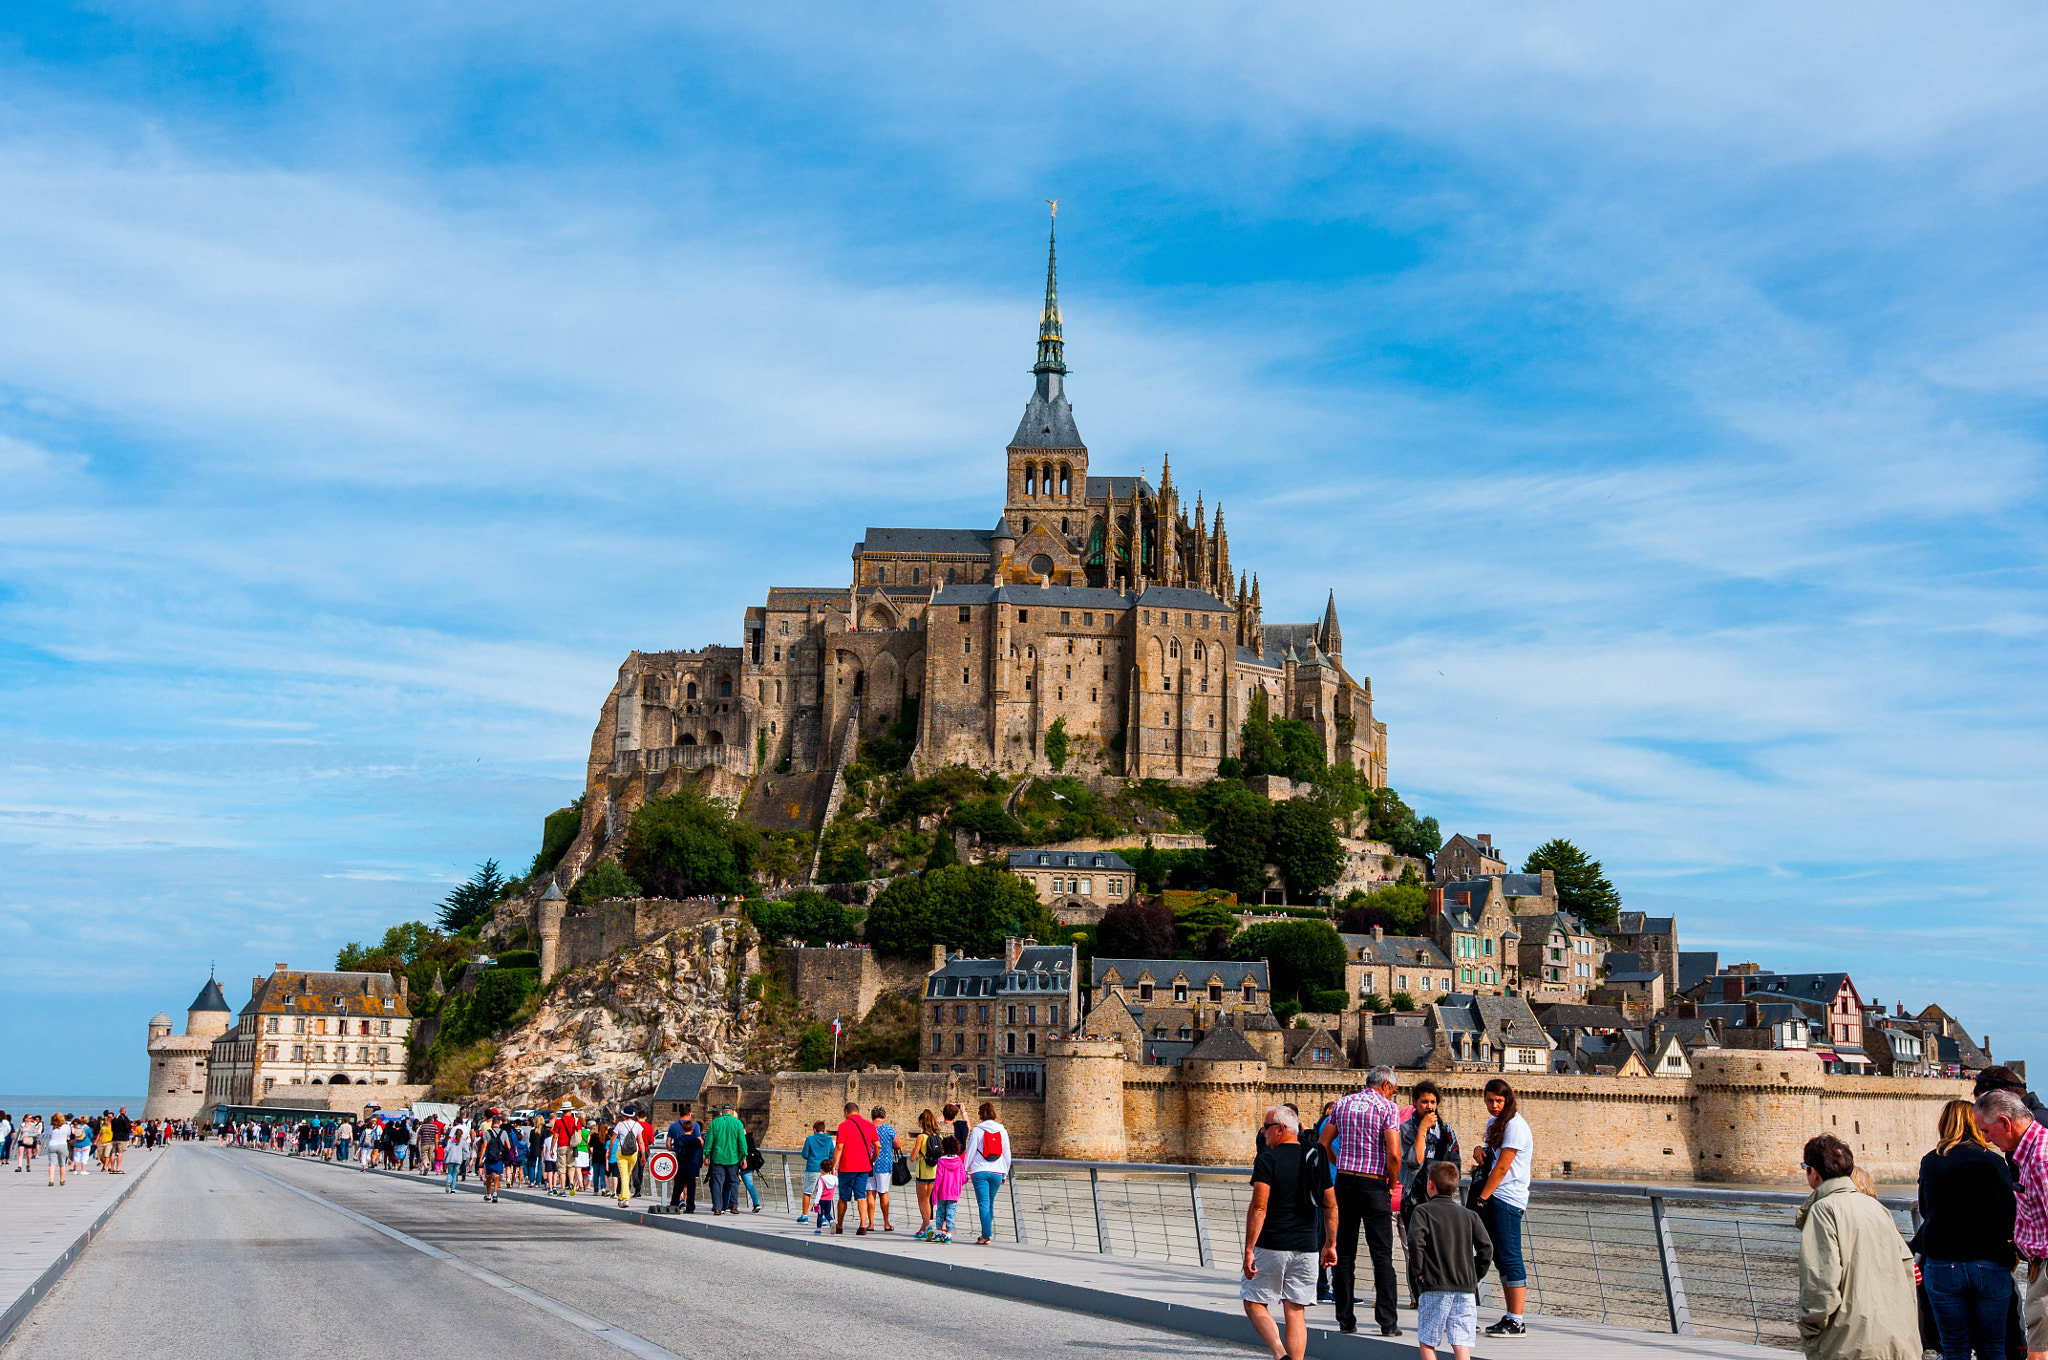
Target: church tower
(1048,473)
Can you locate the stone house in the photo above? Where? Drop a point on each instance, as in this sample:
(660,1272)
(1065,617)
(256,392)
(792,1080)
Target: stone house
(1669,1049)
(1312,1049)
(1561,956)
(1380,965)
(1491,1033)
(1831,1002)
(1464,857)
(1896,1045)
(1478,935)
(1214,990)
(314,1029)
(1630,985)
(1078,885)
(1654,942)
(994,1017)
(1402,1039)
(1955,1051)
(1780,1026)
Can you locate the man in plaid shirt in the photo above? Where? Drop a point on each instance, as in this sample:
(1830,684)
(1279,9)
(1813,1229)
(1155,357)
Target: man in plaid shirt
(2004,1120)
(1365,1128)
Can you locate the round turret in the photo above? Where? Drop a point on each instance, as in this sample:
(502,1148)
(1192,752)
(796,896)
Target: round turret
(160,1027)
(1225,1080)
(208,1017)
(1753,1110)
(1084,1100)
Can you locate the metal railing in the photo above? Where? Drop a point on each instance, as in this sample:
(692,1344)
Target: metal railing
(1668,1258)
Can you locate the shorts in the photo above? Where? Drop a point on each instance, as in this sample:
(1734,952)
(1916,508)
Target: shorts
(2034,1306)
(1288,1275)
(811,1179)
(1444,1319)
(494,1168)
(1504,1226)
(120,1146)
(853,1185)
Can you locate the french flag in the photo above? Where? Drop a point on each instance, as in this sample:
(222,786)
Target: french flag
(837,1029)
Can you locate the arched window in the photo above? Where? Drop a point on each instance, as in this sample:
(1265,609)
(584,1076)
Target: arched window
(686,740)
(860,680)
(1173,648)
(1199,652)
(915,574)
(725,689)
(1065,527)
(1066,480)
(1030,479)
(692,693)
(882,575)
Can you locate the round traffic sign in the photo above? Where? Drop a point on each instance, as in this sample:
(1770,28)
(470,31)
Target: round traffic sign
(662,1165)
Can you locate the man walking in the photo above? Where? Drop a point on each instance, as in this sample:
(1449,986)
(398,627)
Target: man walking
(1366,1128)
(566,1127)
(2003,1119)
(853,1161)
(725,1147)
(1291,1196)
(124,1130)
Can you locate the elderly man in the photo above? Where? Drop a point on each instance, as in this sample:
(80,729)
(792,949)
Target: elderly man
(2003,1118)
(1366,1130)
(1856,1298)
(1290,1194)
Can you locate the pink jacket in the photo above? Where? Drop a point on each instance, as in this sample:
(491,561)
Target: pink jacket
(949,1179)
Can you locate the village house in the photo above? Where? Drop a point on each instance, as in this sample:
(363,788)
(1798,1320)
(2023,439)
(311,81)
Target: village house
(994,1016)
(1482,1032)
(1654,942)
(1078,885)
(1382,965)
(1561,956)
(1478,934)
(1465,857)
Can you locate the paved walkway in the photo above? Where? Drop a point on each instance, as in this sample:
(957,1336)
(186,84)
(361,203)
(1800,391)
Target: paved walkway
(1178,1297)
(44,1223)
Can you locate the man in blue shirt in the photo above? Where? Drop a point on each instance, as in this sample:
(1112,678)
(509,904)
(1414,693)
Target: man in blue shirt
(818,1149)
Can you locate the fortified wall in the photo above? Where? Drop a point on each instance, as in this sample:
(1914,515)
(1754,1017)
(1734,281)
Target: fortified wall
(846,983)
(1739,1117)
(604,928)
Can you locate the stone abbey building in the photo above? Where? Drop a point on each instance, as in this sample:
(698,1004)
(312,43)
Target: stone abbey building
(1096,600)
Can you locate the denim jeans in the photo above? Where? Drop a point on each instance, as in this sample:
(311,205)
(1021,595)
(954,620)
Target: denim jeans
(986,1183)
(725,1186)
(942,1214)
(753,1195)
(1969,1301)
(1504,1225)
(451,1174)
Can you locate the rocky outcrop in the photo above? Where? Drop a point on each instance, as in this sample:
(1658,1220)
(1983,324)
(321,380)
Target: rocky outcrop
(606,1030)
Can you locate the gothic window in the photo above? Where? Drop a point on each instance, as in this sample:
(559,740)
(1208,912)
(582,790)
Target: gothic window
(1066,480)
(915,573)
(1030,479)
(1200,652)
(761,690)
(882,575)
(691,689)
(1031,654)
(725,689)
(1173,648)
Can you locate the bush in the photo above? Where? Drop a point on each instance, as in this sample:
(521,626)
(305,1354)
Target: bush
(481,1013)
(1375,1003)
(814,1049)
(519,958)
(1285,1011)
(603,879)
(806,915)
(1400,909)
(986,817)
(1403,1001)
(1205,924)
(1329,1002)
(558,832)
(1056,744)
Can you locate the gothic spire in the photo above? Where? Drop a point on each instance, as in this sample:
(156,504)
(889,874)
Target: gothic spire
(1051,346)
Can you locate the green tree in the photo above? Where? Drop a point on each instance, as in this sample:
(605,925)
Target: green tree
(470,903)
(1240,830)
(1258,749)
(1403,1001)
(968,907)
(1582,888)
(1056,744)
(558,831)
(603,879)
(1394,822)
(686,845)
(1398,909)
(806,915)
(1205,924)
(1305,849)
(1303,957)
(1301,750)
(944,852)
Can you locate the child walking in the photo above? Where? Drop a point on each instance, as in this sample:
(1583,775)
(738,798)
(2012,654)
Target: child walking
(1448,1252)
(828,1186)
(947,1182)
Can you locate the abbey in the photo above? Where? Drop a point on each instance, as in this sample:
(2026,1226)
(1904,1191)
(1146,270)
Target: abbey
(1099,603)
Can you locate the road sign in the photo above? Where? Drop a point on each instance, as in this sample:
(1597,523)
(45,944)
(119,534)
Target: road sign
(662,1165)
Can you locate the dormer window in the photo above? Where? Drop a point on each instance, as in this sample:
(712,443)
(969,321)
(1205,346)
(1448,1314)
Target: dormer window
(1180,991)
(1145,992)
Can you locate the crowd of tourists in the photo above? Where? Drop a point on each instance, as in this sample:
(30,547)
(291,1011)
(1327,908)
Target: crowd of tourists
(74,1144)
(866,1158)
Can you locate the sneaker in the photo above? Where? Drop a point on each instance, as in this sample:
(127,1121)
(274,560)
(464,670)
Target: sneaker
(1390,1331)
(1507,1326)
(817,1232)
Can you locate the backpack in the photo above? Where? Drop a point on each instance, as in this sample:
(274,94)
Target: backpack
(629,1139)
(991,1145)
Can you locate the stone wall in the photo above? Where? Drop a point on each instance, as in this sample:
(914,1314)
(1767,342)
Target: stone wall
(607,927)
(798,1098)
(831,982)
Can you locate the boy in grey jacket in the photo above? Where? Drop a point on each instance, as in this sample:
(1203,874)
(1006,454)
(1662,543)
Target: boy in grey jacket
(1448,1252)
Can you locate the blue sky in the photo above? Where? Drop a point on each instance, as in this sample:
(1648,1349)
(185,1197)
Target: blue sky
(1660,390)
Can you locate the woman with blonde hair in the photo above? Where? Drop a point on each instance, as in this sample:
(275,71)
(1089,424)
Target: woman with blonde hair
(1966,1211)
(925,1150)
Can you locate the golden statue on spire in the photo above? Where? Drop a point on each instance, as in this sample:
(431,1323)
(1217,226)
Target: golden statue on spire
(1055,205)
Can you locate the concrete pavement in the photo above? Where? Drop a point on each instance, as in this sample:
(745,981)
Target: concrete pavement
(214,1254)
(46,1227)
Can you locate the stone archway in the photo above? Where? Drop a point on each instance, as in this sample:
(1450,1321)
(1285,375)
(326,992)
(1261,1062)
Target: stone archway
(338,1079)
(714,739)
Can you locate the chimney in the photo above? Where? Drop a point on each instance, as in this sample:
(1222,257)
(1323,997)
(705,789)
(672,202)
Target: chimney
(1987,1045)
(401,986)
(1013,948)
(1378,933)
(1436,901)
(1752,1015)
(1486,839)
(278,967)
(1902,1008)
(938,957)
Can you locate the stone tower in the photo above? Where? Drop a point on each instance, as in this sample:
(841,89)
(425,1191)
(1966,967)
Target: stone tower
(548,926)
(1048,461)
(1753,1110)
(1084,1100)
(178,1063)
(1225,1081)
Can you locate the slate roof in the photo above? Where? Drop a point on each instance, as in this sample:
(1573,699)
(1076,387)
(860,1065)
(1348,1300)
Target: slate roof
(1069,859)
(1177,597)
(1398,1046)
(1696,967)
(955,542)
(799,597)
(1224,1044)
(1511,885)
(1295,1040)
(1635,923)
(1689,1030)
(210,998)
(1263,1023)
(1821,987)
(1415,950)
(1198,971)
(1736,1014)
(1622,961)
(1540,923)
(1100,487)
(1167,1052)
(1040,968)
(1636,977)
(327,993)
(1509,1020)
(1247,657)
(1569,1015)
(682,1082)
(1282,636)
(1072,597)
(1489,851)
(1048,423)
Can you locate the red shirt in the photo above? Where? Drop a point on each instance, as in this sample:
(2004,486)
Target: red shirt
(565,1130)
(857,1143)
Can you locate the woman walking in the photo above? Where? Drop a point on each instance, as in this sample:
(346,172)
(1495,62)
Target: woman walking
(1966,1213)
(886,1153)
(988,1162)
(1500,1178)
(57,1146)
(925,1150)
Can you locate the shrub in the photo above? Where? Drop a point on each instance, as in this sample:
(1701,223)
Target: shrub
(685,845)
(806,915)
(519,958)
(1136,928)
(558,831)
(1304,957)
(1403,1001)
(1375,1003)
(1056,744)
(1330,1001)
(601,880)
(969,907)
(1285,1011)
(986,817)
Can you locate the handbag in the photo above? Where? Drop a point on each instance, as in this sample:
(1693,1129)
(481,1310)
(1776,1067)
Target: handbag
(899,1172)
(1479,1175)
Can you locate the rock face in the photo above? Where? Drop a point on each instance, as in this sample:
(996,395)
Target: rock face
(608,1029)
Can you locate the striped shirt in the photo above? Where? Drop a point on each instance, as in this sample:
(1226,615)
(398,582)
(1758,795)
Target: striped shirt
(1362,1120)
(2030,1223)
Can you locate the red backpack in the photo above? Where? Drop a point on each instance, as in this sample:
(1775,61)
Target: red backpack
(991,1146)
